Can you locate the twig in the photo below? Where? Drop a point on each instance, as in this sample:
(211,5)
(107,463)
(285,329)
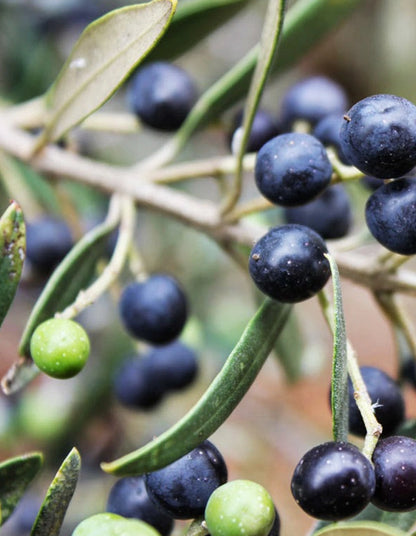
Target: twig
(112,270)
(210,167)
(197,213)
(363,401)
(342,172)
(397,316)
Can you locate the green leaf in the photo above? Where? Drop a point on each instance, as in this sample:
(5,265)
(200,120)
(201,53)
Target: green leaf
(290,349)
(15,476)
(72,275)
(38,187)
(267,49)
(359,528)
(23,184)
(193,21)
(306,23)
(407,428)
(219,400)
(339,383)
(12,254)
(58,497)
(69,278)
(105,54)
(398,520)
(268,46)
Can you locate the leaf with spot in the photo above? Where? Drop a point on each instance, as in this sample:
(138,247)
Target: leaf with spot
(15,476)
(12,254)
(107,51)
(58,497)
(72,275)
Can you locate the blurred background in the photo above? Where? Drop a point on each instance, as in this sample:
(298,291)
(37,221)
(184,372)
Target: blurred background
(286,411)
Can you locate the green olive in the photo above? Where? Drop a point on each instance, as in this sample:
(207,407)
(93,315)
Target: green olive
(240,508)
(60,347)
(113,525)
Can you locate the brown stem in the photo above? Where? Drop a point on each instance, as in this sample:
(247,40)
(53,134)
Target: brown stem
(198,213)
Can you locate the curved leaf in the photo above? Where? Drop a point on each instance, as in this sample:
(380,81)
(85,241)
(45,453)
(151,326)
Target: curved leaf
(306,22)
(220,399)
(107,51)
(359,528)
(267,50)
(399,520)
(72,275)
(290,349)
(193,21)
(39,188)
(58,497)
(12,254)
(15,476)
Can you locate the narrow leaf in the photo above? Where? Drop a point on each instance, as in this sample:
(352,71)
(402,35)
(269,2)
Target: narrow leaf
(400,520)
(339,383)
(22,372)
(12,254)
(69,278)
(58,497)
(306,23)
(193,21)
(359,528)
(219,400)
(15,184)
(105,54)
(15,476)
(407,428)
(267,49)
(290,349)
(38,187)
(73,274)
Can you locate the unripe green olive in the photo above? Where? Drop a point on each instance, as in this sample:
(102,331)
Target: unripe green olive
(60,347)
(240,508)
(106,524)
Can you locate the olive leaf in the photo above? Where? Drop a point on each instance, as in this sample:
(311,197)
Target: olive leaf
(38,187)
(72,275)
(399,520)
(267,49)
(15,476)
(407,428)
(359,528)
(23,183)
(306,22)
(105,54)
(69,278)
(12,254)
(339,382)
(219,400)
(193,21)
(290,349)
(51,514)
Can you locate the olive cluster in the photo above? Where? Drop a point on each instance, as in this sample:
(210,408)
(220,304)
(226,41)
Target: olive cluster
(289,263)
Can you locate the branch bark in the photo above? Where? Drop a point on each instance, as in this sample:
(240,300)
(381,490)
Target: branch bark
(200,214)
